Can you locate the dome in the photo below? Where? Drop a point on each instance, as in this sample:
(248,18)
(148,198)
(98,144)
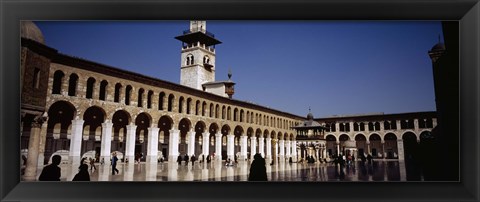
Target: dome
(310,116)
(438,47)
(29,30)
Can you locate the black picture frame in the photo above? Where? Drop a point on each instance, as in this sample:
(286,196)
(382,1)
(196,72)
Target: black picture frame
(467,12)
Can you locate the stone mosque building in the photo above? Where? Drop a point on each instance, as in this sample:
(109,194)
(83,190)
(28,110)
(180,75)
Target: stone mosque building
(79,108)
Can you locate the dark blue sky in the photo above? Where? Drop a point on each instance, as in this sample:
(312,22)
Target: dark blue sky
(334,67)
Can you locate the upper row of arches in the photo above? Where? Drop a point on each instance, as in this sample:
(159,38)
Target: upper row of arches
(166,101)
(376,126)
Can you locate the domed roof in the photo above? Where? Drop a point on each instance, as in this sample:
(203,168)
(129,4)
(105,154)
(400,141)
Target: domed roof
(438,47)
(29,30)
(310,116)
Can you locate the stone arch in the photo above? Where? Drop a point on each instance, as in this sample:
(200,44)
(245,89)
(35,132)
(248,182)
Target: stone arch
(258,133)
(143,122)
(250,132)
(61,114)
(391,150)
(165,124)
(213,129)
(238,132)
(93,118)
(331,144)
(361,143)
(120,120)
(265,133)
(184,126)
(200,127)
(376,148)
(410,146)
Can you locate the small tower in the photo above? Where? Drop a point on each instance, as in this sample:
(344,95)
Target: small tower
(198,55)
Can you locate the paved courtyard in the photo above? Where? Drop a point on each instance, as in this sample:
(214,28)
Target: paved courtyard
(382,170)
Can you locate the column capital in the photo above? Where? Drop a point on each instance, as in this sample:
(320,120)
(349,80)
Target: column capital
(205,134)
(218,135)
(230,135)
(174,131)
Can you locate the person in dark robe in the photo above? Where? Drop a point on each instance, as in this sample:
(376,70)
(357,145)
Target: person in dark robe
(193,159)
(258,171)
(179,160)
(186,159)
(114,163)
(209,158)
(51,172)
(82,174)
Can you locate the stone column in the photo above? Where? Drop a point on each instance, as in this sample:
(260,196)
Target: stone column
(269,148)
(218,146)
(130,143)
(76,140)
(324,151)
(253,145)
(191,143)
(294,150)
(415,125)
(244,147)
(383,150)
(261,147)
(400,153)
(41,149)
(230,146)
(152,148)
(338,147)
(173,145)
(33,147)
(287,148)
(368,148)
(106,141)
(205,144)
(281,146)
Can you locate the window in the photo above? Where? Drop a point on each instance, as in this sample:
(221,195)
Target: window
(57,82)
(72,85)
(140,97)
(103,90)
(128,90)
(149,99)
(161,97)
(118,88)
(36,78)
(90,87)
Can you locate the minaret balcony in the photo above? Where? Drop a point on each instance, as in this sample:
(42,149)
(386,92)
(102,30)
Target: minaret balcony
(195,45)
(198,30)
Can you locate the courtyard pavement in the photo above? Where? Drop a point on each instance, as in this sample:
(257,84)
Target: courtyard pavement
(380,170)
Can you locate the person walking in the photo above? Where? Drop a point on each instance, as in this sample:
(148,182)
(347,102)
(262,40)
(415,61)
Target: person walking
(179,160)
(186,159)
(52,172)
(82,174)
(258,171)
(92,164)
(114,163)
(193,159)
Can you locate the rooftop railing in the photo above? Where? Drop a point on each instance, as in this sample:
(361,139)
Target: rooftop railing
(199,30)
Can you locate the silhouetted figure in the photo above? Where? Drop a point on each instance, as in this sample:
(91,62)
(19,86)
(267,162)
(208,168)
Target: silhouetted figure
(186,159)
(290,160)
(82,174)
(209,158)
(258,171)
(114,163)
(92,164)
(363,158)
(51,172)
(179,160)
(193,159)
(83,161)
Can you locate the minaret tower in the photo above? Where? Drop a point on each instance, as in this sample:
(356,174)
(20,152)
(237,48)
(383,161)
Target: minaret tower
(198,55)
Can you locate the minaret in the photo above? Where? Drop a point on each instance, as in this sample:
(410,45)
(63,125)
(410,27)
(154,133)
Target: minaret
(198,55)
